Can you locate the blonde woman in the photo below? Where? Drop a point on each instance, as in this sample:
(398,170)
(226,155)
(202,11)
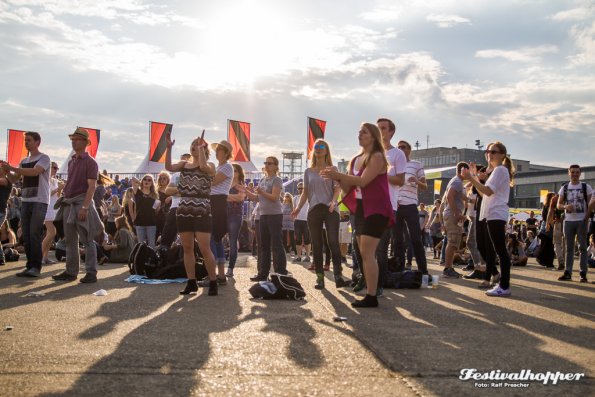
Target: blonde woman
(114,210)
(368,198)
(323,212)
(128,205)
(494,209)
(193,215)
(56,187)
(121,247)
(288,228)
(163,180)
(146,206)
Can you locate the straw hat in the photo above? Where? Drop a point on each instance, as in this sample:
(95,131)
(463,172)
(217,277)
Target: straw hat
(81,133)
(223,143)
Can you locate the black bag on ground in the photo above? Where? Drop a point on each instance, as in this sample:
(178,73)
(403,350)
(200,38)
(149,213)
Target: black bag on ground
(172,260)
(143,260)
(264,290)
(287,287)
(11,255)
(410,279)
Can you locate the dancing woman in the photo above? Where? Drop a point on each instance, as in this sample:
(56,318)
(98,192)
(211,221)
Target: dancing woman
(366,187)
(193,215)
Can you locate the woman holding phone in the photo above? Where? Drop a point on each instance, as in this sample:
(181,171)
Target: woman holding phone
(145,210)
(193,216)
(367,196)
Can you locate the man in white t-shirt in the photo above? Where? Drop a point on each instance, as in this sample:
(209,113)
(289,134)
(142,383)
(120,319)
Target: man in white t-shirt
(574,199)
(407,214)
(397,162)
(35,171)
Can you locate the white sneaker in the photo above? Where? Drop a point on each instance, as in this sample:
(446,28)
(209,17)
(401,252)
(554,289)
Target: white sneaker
(497,291)
(229,273)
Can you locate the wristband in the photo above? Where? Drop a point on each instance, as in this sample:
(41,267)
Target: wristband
(85,208)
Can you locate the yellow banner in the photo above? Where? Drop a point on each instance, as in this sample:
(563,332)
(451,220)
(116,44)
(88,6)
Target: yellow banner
(437,187)
(542,195)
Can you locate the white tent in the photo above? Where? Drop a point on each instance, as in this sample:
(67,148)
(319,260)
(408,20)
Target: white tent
(247,166)
(149,167)
(64,166)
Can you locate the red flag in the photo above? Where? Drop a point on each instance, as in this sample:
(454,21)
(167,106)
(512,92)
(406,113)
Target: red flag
(15,149)
(315,131)
(238,134)
(157,143)
(94,135)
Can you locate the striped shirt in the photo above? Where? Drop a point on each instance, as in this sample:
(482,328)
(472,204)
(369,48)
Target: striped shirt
(407,194)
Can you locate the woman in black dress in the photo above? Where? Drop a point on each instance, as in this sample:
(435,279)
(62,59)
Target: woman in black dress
(193,215)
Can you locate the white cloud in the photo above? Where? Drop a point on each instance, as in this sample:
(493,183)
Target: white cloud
(575,14)
(134,11)
(447,21)
(382,14)
(584,38)
(524,54)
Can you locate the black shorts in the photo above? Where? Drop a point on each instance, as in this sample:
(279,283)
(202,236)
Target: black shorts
(302,233)
(372,226)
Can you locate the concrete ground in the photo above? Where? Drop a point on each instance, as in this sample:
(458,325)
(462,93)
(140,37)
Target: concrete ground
(148,340)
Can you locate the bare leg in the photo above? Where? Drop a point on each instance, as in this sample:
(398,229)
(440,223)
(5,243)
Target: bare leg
(48,240)
(367,247)
(204,244)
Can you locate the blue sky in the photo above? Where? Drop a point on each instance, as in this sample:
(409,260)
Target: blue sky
(516,71)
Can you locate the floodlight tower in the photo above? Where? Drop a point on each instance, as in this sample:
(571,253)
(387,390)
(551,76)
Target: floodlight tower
(292,164)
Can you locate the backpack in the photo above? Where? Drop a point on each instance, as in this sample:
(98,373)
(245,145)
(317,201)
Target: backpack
(143,260)
(172,263)
(287,287)
(410,279)
(11,255)
(263,290)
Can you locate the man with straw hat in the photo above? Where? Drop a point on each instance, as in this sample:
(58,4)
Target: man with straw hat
(77,210)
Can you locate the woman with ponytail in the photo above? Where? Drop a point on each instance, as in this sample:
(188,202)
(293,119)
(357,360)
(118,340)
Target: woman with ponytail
(494,209)
(367,196)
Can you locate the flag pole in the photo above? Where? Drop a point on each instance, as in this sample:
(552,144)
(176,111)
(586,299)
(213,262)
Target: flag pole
(8,129)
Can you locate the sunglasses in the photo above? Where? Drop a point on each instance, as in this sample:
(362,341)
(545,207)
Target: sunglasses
(402,147)
(147,180)
(492,151)
(319,147)
(55,168)
(269,163)
(300,188)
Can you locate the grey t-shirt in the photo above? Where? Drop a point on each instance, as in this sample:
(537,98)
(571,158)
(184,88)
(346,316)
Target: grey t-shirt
(36,189)
(266,206)
(455,183)
(320,190)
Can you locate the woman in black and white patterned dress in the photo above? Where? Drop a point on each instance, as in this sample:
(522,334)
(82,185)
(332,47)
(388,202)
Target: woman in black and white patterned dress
(193,216)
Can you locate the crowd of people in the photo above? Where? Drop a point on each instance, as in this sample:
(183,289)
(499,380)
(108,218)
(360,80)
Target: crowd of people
(371,212)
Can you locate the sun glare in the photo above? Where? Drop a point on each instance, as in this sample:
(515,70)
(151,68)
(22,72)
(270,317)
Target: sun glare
(245,42)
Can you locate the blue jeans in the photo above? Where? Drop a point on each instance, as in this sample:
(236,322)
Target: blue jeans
(146,233)
(407,217)
(32,217)
(218,250)
(234,223)
(271,237)
(317,217)
(576,229)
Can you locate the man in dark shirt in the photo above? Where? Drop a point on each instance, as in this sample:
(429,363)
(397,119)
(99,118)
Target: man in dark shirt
(77,211)
(532,223)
